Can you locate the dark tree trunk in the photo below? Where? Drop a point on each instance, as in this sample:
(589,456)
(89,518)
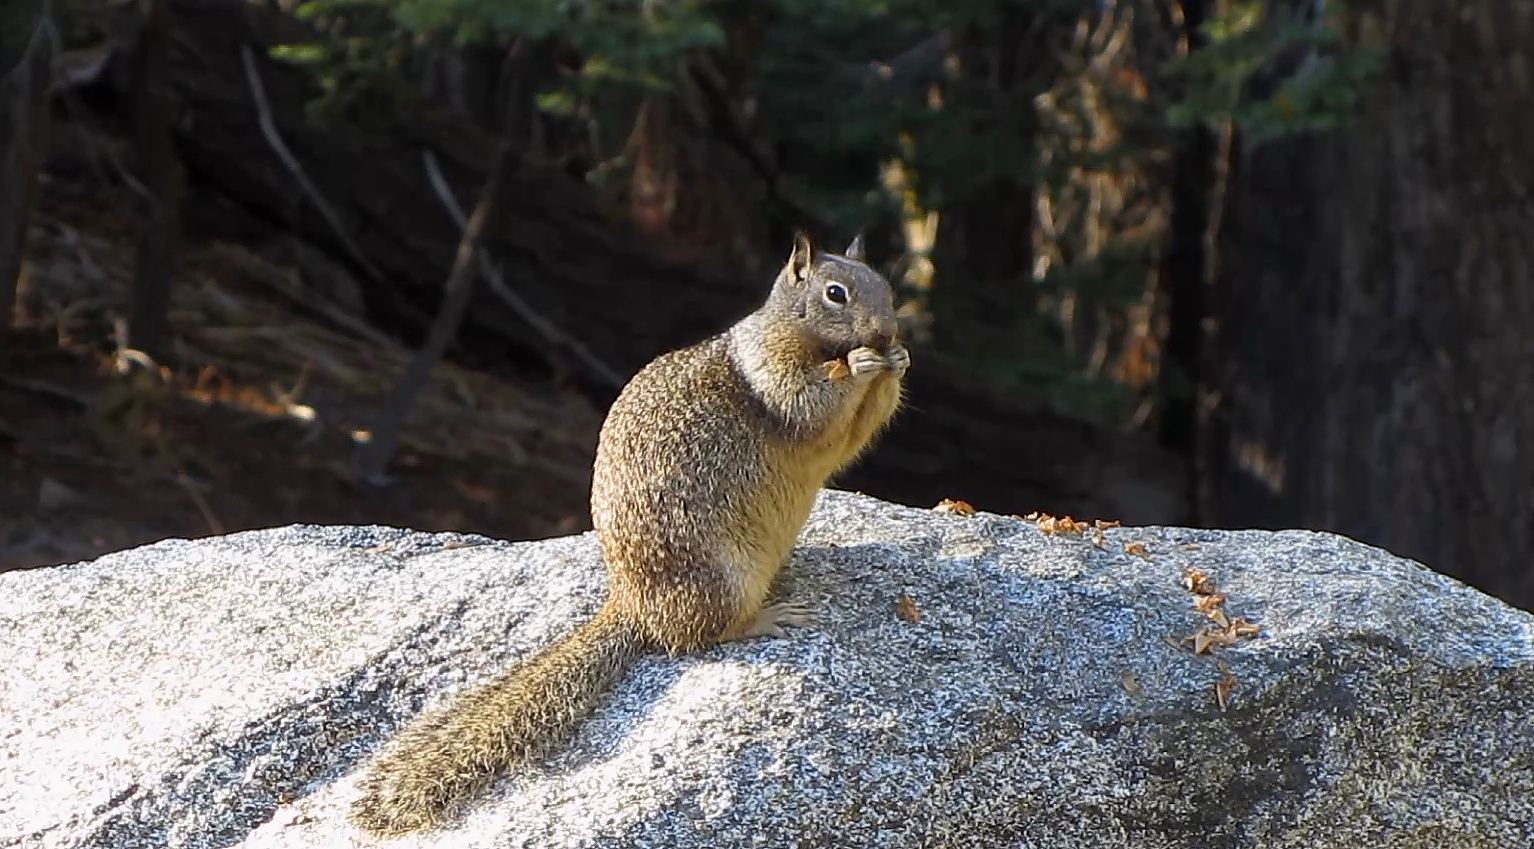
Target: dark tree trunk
(1185,279)
(1377,300)
(983,251)
(26,55)
(148,320)
(984,259)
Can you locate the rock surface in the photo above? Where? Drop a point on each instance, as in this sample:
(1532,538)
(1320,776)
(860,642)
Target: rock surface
(223,692)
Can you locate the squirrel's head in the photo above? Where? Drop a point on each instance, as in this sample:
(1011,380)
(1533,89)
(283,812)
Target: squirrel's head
(836,298)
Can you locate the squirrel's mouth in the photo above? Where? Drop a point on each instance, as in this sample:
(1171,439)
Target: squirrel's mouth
(841,350)
(835,352)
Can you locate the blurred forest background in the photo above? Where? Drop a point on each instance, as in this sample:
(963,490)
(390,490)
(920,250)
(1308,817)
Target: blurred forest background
(1235,263)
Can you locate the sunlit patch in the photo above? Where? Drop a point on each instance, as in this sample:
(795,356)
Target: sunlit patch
(1254,458)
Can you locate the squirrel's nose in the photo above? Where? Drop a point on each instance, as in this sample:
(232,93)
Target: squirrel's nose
(882,331)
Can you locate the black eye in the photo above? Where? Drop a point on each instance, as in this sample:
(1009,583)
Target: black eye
(836,293)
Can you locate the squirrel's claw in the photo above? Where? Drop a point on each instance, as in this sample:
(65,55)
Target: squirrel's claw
(866,361)
(771,619)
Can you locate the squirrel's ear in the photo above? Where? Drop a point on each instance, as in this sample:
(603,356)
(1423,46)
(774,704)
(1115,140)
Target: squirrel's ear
(804,255)
(854,251)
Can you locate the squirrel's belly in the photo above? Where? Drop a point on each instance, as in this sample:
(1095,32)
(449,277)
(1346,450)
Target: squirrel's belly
(765,534)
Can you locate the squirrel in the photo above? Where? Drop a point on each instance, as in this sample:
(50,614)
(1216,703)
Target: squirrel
(706,468)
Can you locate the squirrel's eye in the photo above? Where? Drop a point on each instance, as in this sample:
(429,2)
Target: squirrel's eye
(836,293)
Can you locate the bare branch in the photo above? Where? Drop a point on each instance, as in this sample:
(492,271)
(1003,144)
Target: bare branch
(273,138)
(517,303)
(373,456)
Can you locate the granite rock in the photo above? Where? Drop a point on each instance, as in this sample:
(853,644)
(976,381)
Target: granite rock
(1034,690)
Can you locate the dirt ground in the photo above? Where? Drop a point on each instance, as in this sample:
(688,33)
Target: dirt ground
(258,430)
(65,495)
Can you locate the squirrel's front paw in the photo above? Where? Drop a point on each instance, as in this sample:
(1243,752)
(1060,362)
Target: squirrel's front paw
(866,361)
(899,359)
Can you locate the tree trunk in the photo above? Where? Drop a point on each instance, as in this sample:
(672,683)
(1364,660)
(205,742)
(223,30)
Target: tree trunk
(1185,279)
(26,55)
(982,252)
(149,320)
(1376,302)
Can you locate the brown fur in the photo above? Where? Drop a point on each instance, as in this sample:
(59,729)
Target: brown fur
(706,469)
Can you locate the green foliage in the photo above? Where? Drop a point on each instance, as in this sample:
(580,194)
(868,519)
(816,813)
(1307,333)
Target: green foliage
(631,35)
(374,48)
(810,84)
(626,40)
(361,65)
(1323,81)
(300,54)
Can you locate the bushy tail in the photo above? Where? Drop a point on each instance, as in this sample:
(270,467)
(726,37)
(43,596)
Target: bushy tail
(447,756)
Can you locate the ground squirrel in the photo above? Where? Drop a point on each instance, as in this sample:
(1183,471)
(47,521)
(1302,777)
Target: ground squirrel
(706,469)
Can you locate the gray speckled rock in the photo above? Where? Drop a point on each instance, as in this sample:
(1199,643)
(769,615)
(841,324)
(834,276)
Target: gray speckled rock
(223,693)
